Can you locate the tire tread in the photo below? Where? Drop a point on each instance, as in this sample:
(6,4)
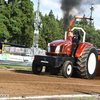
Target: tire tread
(81,63)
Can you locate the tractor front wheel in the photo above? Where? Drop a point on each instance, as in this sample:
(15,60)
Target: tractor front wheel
(67,69)
(35,68)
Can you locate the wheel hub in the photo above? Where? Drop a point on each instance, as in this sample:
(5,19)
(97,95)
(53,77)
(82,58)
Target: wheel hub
(69,69)
(92,63)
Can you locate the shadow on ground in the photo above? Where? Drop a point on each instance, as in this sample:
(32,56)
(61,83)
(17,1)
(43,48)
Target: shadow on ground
(23,71)
(48,74)
(41,74)
(89,93)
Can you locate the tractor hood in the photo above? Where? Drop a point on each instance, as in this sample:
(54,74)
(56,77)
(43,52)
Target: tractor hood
(60,46)
(59,42)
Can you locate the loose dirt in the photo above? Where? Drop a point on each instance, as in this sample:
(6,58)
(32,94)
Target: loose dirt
(23,83)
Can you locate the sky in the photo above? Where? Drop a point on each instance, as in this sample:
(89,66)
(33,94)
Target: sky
(55,6)
(47,5)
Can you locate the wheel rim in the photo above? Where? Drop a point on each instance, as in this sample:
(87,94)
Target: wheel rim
(69,69)
(91,63)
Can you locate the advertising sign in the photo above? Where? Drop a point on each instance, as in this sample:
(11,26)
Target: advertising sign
(15,58)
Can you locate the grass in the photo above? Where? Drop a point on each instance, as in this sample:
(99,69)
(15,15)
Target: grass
(15,67)
(73,99)
(80,99)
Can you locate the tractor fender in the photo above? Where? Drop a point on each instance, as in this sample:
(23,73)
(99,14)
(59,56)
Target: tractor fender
(82,46)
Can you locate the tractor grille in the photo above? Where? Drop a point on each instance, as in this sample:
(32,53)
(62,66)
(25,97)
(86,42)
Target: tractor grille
(53,48)
(61,49)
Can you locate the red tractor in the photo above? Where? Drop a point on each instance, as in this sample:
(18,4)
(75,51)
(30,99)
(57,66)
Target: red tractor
(70,56)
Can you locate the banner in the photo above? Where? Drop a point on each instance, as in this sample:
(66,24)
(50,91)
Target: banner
(16,58)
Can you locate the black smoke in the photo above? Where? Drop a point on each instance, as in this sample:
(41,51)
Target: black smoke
(67,7)
(70,6)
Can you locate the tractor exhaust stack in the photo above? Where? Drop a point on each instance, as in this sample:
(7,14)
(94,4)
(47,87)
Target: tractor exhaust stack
(65,35)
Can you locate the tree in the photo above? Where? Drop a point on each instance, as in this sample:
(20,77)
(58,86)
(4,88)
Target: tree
(4,21)
(4,34)
(51,15)
(20,16)
(14,26)
(83,21)
(26,6)
(49,32)
(61,27)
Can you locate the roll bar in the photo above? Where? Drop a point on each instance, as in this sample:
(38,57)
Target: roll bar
(70,26)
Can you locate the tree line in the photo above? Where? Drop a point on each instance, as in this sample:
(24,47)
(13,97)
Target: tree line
(17,16)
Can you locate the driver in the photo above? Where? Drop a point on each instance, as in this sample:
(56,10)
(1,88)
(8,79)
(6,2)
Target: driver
(73,49)
(74,35)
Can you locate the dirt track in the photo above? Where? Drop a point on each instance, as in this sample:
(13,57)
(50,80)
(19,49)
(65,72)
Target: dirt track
(24,83)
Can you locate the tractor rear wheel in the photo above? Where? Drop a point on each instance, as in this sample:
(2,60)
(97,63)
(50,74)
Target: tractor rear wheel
(35,68)
(67,69)
(87,63)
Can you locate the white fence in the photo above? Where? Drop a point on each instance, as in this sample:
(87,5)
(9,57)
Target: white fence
(23,51)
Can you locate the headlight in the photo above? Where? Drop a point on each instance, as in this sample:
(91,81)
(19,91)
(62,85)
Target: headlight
(57,49)
(48,47)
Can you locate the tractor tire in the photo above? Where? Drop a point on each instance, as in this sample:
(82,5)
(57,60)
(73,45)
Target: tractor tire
(87,63)
(54,71)
(67,69)
(35,68)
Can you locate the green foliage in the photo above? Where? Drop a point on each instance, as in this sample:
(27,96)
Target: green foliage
(50,31)
(83,21)
(4,34)
(80,99)
(15,67)
(51,15)
(16,19)
(61,28)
